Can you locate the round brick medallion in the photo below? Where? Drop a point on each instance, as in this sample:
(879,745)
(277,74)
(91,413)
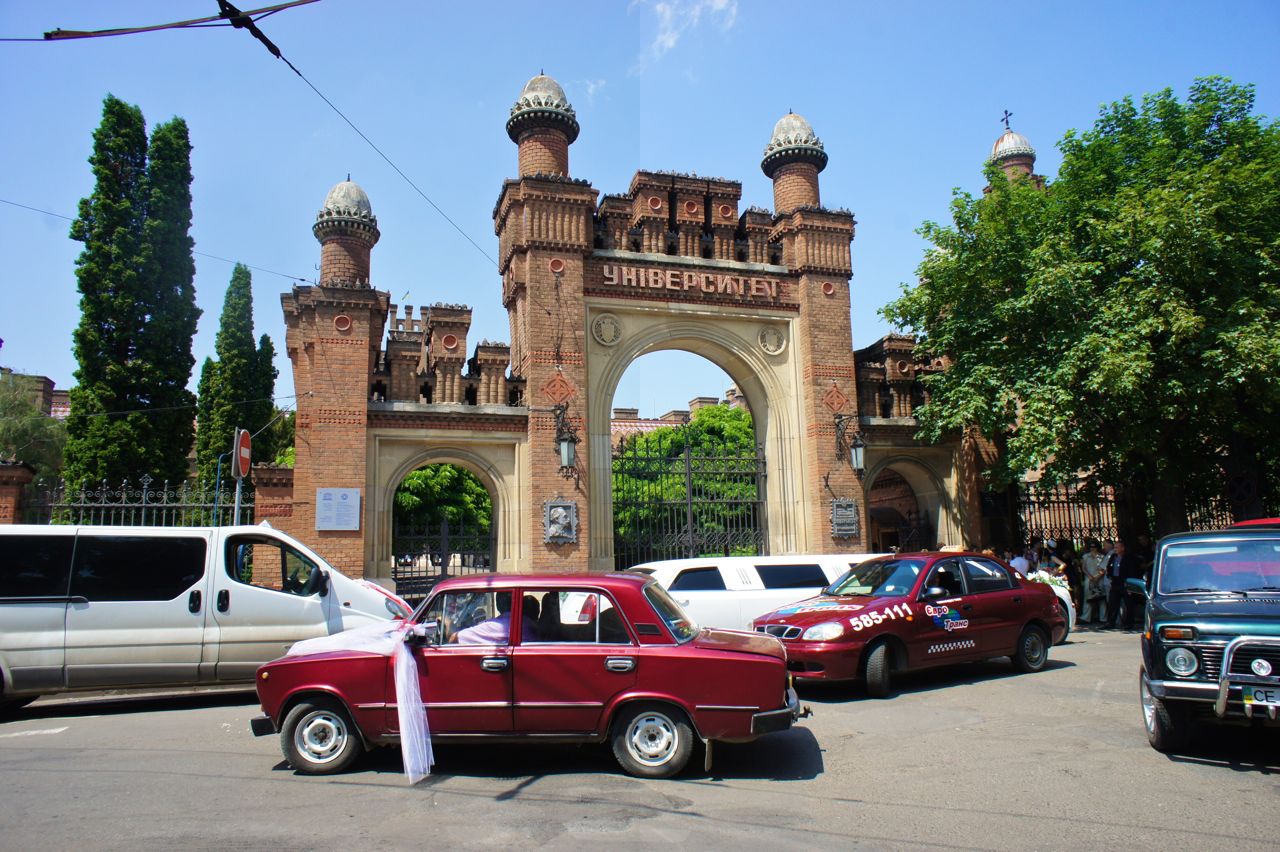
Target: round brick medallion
(726,211)
(342,322)
(828,289)
(556,265)
(691,207)
(655,203)
(449,341)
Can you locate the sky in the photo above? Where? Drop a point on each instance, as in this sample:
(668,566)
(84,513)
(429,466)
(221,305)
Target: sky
(907,97)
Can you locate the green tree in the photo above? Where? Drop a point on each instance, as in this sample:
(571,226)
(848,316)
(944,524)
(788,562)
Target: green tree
(26,433)
(236,389)
(130,409)
(438,492)
(1121,320)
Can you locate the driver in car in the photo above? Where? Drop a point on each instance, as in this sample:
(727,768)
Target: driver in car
(497,630)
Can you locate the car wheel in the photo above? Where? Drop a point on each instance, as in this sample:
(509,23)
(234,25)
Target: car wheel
(317,738)
(652,741)
(1032,651)
(1168,728)
(879,671)
(1066,619)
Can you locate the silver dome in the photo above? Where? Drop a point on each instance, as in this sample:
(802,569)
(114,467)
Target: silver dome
(1011,144)
(347,207)
(793,140)
(542,102)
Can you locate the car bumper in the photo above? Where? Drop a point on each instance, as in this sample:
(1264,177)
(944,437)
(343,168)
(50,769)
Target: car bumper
(777,720)
(821,661)
(262,726)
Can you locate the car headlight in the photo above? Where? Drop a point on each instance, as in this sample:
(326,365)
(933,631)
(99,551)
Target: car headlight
(1181,661)
(824,632)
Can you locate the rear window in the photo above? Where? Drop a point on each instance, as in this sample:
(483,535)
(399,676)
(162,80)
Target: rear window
(698,580)
(802,576)
(136,568)
(35,566)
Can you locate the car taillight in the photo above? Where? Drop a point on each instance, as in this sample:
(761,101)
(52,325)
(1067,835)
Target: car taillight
(1184,634)
(588,611)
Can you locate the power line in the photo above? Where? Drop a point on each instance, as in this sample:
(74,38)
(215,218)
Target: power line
(193,251)
(220,20)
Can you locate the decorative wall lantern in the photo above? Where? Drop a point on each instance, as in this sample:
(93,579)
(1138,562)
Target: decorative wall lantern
(566,440)
(856,447)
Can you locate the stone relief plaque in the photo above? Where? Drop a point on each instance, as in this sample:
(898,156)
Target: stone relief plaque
(772,341)
(606,329)
(560,522)
(845,522)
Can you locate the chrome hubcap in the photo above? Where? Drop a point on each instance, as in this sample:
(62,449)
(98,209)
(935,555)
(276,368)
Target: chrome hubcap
(1148,707)
(652,739)
(320,736)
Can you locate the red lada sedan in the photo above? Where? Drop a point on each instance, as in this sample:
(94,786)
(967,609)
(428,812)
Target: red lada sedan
(915,611)
(574,659)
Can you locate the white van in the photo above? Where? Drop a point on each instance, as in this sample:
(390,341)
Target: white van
(86,607)
(729,591)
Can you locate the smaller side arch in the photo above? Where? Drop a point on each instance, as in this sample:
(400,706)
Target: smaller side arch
(930,490)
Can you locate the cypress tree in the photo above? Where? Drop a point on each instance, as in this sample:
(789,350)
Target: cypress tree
(236,390)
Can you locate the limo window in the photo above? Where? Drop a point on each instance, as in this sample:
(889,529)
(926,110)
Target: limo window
(792,576)
(271,564)
(35,566)
(698,580)
(136,568)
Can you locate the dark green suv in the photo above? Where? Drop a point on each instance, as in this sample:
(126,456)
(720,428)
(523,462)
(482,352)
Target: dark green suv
(1211,647)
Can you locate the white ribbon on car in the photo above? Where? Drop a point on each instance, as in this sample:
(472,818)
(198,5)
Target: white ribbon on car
(389,640)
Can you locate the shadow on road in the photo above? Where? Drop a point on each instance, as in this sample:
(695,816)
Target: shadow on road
(792,755)
(123,703)
(1236,748)
(926,680)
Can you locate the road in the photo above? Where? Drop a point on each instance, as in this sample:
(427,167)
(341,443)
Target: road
(972,757)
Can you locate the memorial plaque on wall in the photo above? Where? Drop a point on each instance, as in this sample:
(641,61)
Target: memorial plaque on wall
(337,508)
(844,519)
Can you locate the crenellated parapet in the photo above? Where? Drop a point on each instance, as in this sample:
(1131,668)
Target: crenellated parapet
(890,380)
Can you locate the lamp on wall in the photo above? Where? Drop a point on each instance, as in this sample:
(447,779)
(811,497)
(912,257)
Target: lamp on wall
(855,447)
(566,440)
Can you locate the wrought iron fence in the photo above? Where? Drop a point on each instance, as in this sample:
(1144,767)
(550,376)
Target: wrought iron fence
(129,505)
(670,502)
(425,555)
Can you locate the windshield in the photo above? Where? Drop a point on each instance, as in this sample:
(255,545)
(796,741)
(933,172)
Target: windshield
(879,577)
(678,622)
(1242,565)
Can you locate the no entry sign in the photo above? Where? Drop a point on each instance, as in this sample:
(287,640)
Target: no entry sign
(242,454)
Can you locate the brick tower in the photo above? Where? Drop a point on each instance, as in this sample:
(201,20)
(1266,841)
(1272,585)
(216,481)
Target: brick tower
(816,248)
(544,223)
(333,336)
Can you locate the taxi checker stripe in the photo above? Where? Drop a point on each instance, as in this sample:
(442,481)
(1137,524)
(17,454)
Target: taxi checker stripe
(951,646)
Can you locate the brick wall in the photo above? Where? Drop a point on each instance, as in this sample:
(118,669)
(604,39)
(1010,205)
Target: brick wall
(344,259)
(544,151)
(795,185)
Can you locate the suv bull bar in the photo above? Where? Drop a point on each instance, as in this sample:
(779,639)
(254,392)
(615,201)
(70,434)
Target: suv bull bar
(1226,680)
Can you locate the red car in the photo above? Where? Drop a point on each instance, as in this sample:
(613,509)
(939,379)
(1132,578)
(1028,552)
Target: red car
(574,659)
(915,611)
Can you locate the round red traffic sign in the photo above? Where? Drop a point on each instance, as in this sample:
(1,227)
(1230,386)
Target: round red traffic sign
(244,453)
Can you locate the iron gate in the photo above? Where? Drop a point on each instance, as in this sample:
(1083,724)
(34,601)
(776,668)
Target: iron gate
(425,555)
(670,502)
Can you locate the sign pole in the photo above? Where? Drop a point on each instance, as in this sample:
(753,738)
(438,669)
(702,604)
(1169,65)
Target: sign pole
(235,518)
(241,463)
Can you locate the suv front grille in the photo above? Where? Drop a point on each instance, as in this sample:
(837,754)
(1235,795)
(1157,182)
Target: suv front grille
(782,631)
(1210,660)
(1246,654)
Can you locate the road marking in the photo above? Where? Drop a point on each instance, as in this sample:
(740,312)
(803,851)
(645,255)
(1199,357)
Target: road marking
(34,733)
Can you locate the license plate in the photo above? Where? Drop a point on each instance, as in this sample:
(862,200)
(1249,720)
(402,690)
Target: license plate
(1264,695)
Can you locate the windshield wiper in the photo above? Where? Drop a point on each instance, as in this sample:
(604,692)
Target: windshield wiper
(1203,589)
(1263,589)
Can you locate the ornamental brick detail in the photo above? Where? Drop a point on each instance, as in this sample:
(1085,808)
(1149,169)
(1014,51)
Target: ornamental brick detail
(835,399)
(557,389)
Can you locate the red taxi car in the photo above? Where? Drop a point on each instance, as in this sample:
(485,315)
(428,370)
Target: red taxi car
(575,659)
(915,611)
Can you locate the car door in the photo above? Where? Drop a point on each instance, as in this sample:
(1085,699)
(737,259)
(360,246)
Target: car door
(465,686)
(995,605)
(35,572)
(137,610)
(941,630)
(702,592)
(567,671)
(267,595)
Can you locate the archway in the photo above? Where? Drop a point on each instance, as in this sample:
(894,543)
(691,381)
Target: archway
(441,525)
(908,506)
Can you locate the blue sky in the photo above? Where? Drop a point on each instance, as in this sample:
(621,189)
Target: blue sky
(906,97)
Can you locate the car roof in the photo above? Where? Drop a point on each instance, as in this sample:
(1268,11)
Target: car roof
(1258,522)
(613,580)
(1236,531)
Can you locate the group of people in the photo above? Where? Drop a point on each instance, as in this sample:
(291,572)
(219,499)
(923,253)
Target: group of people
(1097,577)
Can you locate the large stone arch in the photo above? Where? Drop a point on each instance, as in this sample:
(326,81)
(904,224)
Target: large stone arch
(394,460)
(768,382)
(930,490)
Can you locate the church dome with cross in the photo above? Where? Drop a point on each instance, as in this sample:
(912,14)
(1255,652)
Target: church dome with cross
(1012,144)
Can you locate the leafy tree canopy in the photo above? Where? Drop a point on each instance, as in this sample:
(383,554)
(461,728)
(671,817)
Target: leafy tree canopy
(438,492)
(27,434)
(1120,320)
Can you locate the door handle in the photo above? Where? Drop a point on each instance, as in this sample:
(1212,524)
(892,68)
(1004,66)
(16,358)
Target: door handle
(193,601)
(967,607)
(224,600)
(494,664)
(1017,600)
(619,664)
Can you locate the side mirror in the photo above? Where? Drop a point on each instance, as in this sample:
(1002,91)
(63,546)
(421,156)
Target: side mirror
(933,592)
(322,583)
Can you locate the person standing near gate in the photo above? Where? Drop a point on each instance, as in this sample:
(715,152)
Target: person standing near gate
(1121,566)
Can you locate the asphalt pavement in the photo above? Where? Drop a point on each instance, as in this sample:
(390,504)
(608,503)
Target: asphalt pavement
(973,756)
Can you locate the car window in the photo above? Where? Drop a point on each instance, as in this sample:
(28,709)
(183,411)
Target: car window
(800,576)
(136,568)
(271,564)
(1220,566)
(946,575)
(879,577)
(983,575)
(698,580)
(559,616)
(479,617)
(681,625)
(35,566)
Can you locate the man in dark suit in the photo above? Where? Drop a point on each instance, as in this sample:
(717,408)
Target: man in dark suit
(1121,566)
